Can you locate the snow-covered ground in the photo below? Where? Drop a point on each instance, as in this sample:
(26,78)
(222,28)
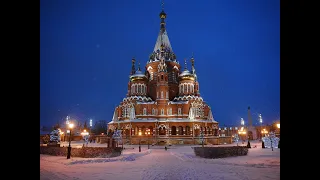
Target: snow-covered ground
(177,163)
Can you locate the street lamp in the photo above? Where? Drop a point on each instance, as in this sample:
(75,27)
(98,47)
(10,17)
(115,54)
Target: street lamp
(61,134)
(242,132)
(69,147)
(264,131)
(148,134)
(140,141)
(85,136)
(277,131)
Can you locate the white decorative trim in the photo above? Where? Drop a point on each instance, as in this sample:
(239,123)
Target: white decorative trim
(140,98)
(149,67)
(175,67)
(189,97)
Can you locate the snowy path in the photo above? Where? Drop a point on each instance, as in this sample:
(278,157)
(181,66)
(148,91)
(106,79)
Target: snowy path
(175,164)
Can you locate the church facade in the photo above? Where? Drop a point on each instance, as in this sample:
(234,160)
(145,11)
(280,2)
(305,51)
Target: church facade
(163,102)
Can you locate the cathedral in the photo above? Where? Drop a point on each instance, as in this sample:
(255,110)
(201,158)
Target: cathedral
(163,102)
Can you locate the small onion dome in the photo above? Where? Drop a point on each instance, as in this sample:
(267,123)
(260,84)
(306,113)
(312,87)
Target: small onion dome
(186,75)
(138,76)
(163,15)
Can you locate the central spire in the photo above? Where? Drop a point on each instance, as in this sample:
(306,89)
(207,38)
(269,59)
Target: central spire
(163,44)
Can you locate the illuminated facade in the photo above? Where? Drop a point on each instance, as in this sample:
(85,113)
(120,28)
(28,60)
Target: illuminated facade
(163,102)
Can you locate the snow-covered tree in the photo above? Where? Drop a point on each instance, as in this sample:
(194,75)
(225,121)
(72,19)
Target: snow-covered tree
(55,136)
(117,135)
(271,141)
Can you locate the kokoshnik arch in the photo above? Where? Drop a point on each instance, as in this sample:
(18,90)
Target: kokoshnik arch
(163,103)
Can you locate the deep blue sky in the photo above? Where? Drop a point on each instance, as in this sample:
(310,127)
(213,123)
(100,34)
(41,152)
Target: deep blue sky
(86,48)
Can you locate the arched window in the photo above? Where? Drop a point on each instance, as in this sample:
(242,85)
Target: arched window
(179,111)
(180,130)
(123,112)
(162,112)
(161,94)
(173,130)
(162,131)
(144,111)
(153,111)
(167,95)
(128,112)
(139,88)
(188,132)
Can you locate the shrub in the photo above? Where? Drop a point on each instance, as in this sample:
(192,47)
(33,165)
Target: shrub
(85,152)
(220,152)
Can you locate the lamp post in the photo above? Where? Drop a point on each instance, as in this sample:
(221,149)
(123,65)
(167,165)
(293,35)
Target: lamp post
(278,126)
(264,131)
(271,142)
(61,135)
(242,132)
(139,141)
(278,129)
(156,132)
(148,134)
(69,147)
(193,131)
(85,136)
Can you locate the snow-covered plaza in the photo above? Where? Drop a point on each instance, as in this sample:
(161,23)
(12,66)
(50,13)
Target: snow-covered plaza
(177,163)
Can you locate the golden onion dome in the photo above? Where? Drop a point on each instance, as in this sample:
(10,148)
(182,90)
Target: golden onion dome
(186,75)
(138,75)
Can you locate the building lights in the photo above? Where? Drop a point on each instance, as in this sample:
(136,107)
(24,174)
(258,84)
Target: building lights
(264,131)
(242,121)
(260,118)
(67,120)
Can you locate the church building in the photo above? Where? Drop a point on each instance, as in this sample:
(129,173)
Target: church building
(163,102)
